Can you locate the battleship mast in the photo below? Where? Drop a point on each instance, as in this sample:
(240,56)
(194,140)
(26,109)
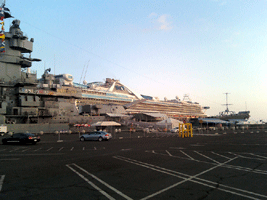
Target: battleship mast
(14,45)
(227,104)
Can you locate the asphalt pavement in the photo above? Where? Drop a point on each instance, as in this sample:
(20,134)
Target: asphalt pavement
(211,165)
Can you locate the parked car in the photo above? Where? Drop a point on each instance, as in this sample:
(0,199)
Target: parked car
(21,138)
(96,135)
(175,130)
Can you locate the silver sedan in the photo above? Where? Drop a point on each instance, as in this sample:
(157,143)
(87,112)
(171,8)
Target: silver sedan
(96,135)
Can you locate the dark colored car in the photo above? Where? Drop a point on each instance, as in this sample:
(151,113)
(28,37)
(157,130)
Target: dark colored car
(96,135)
(21,138)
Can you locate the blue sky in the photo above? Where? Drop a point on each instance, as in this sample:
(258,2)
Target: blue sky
(203,48)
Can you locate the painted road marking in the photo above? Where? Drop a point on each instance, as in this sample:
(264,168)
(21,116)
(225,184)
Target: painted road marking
(207,157)
(177,148)
(168,153)
(49,149)
(26,150)
(187,177)
(226,166)
(187,155)
(99,180)
(197,145)
(257,155)
(72,148)
(37,149)
(125,149)
(220,155)
(92,184)
(61,148)
(1,181)
(246,157)
(14,149)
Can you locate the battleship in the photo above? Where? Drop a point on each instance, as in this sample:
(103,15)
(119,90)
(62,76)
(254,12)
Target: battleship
(56,99)
(232,116)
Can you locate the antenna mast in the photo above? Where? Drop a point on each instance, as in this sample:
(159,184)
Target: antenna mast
(227,104)
(82,74)
(3,4)
(86,70)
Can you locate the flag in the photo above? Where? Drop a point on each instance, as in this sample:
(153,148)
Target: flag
(5,13)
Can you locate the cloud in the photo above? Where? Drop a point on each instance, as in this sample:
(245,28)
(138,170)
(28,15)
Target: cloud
(152,15)
(162,22)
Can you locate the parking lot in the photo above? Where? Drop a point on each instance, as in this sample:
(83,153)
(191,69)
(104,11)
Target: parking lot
(227,165)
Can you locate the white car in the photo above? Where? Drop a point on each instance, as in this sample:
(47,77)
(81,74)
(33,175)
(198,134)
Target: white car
(175,130)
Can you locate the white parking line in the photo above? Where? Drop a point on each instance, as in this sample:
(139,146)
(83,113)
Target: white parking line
(99,180)
(177,148)
(14,149)
(37,149)
(168,153)
(220,155)
(226,166)
(207,157)
(92,184)
(61,148)
(187,177)
(1,181)
(26,150)
(246,157)
(72,148)
(187,155)
(257,155)
(49,149)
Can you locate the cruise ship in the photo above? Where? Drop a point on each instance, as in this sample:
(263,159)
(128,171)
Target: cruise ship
(25,99)
(113,91)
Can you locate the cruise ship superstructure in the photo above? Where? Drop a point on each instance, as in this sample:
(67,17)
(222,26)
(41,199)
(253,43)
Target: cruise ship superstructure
(112,91)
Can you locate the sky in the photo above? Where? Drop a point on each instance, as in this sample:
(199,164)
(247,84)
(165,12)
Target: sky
(161,48)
